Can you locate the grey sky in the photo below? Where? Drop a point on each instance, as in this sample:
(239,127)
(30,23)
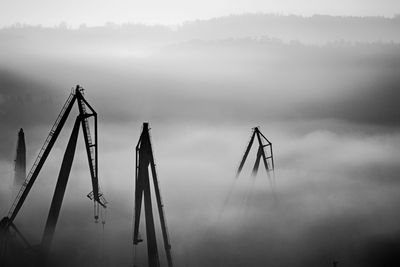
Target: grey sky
(97,12)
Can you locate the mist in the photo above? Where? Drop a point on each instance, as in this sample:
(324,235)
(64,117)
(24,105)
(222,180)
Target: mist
(327,102)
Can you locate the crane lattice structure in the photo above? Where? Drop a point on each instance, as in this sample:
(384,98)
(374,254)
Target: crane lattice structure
(144,158)
(262,153)
(85,112)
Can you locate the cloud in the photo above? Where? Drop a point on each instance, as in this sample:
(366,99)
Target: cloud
(328,204)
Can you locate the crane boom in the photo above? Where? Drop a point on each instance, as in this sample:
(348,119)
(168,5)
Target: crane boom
(41,158)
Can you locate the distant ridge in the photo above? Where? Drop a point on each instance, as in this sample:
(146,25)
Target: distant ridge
(317,29)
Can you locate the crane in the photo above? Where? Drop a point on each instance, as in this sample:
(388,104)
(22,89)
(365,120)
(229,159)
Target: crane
(144,158)
(268,159)
(85,113)
(20,160)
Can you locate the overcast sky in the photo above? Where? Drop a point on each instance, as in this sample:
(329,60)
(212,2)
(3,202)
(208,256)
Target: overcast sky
(97,12)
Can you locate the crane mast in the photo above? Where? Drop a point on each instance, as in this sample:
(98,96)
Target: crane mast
(20,160)
(144,159)
(85,112)
(268,160)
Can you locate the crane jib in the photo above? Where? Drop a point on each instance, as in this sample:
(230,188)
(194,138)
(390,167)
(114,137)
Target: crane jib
(86,112)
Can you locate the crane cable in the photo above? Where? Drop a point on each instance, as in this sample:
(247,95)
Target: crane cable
(96,211)
(134,255)
(103,215)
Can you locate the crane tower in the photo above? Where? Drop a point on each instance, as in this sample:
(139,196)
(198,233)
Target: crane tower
(144,159)
(20,160)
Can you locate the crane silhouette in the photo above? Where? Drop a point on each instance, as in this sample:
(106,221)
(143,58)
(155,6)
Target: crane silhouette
(85,112)
(144,159)
(267,158)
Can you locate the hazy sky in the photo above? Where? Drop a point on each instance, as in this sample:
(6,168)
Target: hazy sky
(329,108)
(95,12)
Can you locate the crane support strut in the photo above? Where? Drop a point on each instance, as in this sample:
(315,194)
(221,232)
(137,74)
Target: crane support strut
(60,188)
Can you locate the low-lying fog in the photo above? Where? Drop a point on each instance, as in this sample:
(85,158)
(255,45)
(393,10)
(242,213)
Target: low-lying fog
(329,106)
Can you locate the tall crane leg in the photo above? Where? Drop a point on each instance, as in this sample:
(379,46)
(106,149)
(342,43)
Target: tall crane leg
(150,229)
(160,206)
(138,206)
(257,163)
(246,153)
(60,190)
(261,149)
